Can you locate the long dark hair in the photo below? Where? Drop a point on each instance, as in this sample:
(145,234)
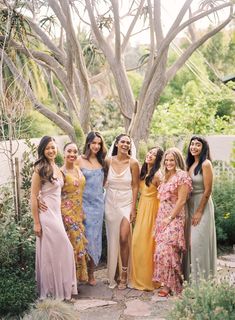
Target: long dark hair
(156,166)
(205,154)
(42,165)
(117,139)
(101,153)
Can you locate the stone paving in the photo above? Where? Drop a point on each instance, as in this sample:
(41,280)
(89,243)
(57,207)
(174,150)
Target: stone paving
(100,302)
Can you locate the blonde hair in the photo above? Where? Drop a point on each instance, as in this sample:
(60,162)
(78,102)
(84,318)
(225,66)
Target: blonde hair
(179,160)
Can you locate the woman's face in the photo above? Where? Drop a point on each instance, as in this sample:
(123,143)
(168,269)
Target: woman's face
(95,145)
(70,153)
(151,156)
(170,163)
(124,144)
(50,151)
(195,148)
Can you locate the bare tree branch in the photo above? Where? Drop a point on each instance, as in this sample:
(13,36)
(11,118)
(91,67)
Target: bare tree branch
(117,30)
(64,125)
(158,22)
(188,52)
(132,25)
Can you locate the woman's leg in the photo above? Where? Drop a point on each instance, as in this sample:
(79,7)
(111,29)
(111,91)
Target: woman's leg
(124,251)
(91,269)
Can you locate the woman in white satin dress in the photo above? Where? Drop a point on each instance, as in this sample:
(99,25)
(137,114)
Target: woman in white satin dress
(120,207)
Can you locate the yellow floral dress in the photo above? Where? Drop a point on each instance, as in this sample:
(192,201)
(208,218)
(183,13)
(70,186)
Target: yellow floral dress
(73,217)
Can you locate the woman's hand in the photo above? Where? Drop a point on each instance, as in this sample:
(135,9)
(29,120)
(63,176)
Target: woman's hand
(42,205)
(133,215)
(166,221)
(37,229)
(196,218)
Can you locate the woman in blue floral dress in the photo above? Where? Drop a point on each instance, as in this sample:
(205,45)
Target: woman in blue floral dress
(92,167)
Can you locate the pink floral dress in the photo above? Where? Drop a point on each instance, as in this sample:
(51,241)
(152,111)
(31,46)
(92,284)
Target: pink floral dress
(170,241)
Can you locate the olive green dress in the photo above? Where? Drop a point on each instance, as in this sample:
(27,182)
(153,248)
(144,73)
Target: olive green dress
(203,236)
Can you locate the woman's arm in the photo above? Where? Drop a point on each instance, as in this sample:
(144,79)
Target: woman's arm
(135,172)
(35,189)
(183,191)
(207,174)
(156,180)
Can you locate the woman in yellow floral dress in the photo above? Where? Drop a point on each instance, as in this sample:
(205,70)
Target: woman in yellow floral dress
(71,208)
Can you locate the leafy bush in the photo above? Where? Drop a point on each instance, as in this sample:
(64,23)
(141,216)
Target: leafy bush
(17,247)
(17,290)
(224,201)
(210,300)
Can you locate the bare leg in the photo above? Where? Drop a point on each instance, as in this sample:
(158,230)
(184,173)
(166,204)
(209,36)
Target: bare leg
(124,251)
(91,268)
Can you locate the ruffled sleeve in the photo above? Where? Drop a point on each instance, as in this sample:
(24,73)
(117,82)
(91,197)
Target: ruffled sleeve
(184,178)
(167,189)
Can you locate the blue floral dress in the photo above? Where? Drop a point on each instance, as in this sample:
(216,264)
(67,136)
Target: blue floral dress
(93,207)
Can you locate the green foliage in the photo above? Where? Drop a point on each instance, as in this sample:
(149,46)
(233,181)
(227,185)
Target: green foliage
(232,162)
(52,310)
(79,134)
(105,116)
(203,113)
(208,300)
(27,170)
(110,135)
(219,53)
(224,202)
(17,246)
(136,81)
(59,160)
(17,290)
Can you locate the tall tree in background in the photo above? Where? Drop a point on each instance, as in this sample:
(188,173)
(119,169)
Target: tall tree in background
(62,61)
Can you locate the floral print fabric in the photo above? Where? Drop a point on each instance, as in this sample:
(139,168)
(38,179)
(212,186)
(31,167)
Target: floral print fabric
(170,240)
(73,216)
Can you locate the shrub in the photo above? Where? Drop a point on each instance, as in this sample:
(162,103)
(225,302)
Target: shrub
(224,201)
(17,290)
(210,300)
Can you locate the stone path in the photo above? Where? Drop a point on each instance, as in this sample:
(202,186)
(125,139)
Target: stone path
(100,302)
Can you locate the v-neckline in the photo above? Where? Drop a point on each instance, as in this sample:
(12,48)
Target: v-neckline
(119,174)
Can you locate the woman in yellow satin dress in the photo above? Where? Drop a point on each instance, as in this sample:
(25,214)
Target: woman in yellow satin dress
(143,243)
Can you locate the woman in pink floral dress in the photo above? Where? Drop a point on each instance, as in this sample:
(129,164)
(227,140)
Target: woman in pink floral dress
(170,221)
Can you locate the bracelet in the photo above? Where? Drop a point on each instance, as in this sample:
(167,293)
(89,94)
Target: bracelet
(170,218)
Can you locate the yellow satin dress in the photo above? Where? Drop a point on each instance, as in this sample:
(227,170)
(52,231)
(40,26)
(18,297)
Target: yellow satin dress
(143,243)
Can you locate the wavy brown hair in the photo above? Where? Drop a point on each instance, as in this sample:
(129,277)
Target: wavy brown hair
(101,154)
(42,165)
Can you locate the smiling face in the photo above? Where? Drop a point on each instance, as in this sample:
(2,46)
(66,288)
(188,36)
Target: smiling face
(151,156)
(170,163)
(195,148)
(70,153)
(124,145)
(95,145)
(50,151)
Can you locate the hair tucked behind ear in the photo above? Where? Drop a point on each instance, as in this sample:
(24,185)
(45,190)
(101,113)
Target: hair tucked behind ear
(101,154)
(117,139)
(42,165)
(205,154)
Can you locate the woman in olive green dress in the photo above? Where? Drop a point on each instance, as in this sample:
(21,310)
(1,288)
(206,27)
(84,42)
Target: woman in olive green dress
(201,210)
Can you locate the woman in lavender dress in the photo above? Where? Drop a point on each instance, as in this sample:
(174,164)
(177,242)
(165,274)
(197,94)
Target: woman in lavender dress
(55,265)
(91,164)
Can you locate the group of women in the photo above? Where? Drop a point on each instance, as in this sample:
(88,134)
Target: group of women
(149,239)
